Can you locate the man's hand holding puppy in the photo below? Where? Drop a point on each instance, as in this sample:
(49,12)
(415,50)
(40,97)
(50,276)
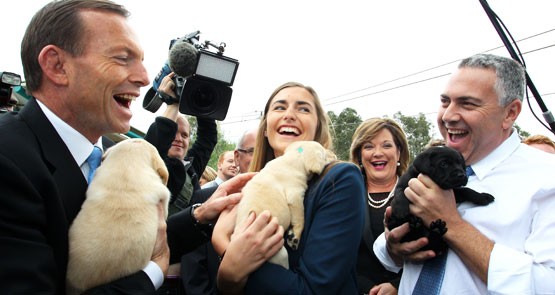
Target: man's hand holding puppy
(430,202)
(224,196)
(161,253)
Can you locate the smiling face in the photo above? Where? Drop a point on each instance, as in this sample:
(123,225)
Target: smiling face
(226,167)
(180,144)
(291,117)
(470,117)
(105,78)
(379,158)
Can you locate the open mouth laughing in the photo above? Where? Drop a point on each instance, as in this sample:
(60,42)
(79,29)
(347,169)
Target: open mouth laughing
(289,131)
(125,100)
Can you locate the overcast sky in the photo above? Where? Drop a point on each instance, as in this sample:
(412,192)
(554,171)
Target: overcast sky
(378,57)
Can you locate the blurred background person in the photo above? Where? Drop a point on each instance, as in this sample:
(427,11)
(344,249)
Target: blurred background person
(226,169)
(435,142)
(208,175)
(380,148)
(541,142)
(244,150)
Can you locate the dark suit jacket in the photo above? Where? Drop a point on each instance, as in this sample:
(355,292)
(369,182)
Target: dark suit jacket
(199,268)
(41,192)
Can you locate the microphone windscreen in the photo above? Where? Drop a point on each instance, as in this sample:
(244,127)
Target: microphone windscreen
(183,58)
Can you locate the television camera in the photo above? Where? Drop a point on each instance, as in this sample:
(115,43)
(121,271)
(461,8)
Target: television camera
(7,82)
(202,78)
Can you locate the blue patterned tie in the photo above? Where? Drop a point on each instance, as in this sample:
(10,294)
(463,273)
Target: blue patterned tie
(94,161)
(431,276)
(469,171)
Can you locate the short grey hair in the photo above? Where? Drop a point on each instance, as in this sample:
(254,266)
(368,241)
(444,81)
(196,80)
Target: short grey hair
(511,78)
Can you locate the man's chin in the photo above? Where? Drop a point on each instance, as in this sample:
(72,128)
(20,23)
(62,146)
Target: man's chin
(176,153)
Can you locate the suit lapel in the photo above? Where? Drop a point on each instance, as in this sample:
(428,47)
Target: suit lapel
(66,173)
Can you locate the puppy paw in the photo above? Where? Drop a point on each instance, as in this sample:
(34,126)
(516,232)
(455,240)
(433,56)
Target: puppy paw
(291,240)
(415,222)
(438,227)
(486,199)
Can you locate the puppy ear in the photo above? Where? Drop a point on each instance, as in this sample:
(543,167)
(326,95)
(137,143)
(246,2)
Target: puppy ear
(422,162)
(315,159)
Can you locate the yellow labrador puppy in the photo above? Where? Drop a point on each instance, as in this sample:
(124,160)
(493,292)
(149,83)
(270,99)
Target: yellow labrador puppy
(280,188)
(114,233)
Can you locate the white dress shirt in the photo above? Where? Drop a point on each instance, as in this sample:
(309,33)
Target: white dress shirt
(521,223)
(80,148)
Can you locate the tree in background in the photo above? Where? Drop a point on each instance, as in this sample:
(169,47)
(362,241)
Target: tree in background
(417,129)
(343,127)
(521,132)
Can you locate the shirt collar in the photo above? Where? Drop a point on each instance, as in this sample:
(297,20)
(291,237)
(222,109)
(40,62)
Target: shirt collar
(79,146)
(502,152)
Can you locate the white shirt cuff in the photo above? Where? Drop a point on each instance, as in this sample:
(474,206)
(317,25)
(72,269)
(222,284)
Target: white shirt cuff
(380,249)
(155,274)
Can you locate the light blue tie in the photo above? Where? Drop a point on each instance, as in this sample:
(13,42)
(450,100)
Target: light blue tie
(431,276)
(94,161)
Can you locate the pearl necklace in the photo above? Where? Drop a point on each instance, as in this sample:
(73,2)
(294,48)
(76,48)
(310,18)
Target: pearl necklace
(378,204)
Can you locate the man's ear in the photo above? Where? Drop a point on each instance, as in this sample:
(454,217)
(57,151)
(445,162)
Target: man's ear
(52,60)
(511,113)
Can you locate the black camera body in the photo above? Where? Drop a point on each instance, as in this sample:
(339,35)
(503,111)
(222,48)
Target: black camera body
(203,79)
(7,82)
(207,93)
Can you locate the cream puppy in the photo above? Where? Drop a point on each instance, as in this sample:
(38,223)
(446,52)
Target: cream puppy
(280,188)
(114,233)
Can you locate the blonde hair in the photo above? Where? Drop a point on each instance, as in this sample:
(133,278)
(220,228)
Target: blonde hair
(539,139)
(209,174)
(263,152)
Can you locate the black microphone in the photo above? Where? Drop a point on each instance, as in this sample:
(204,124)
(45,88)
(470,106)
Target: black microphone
(182,58)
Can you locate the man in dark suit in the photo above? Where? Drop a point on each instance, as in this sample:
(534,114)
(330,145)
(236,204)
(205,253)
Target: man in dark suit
(83,67)
(200,267)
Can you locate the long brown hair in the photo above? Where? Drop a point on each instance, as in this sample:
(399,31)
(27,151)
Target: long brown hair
(263,152)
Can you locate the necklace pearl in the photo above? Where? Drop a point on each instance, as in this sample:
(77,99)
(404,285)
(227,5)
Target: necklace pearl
(380,203)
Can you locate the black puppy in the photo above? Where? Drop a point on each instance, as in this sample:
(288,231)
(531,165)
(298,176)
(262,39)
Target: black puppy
(446,167)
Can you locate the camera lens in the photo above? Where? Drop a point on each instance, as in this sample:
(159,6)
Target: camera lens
(203,98)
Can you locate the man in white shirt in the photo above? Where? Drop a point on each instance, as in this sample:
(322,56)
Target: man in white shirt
(507,246)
